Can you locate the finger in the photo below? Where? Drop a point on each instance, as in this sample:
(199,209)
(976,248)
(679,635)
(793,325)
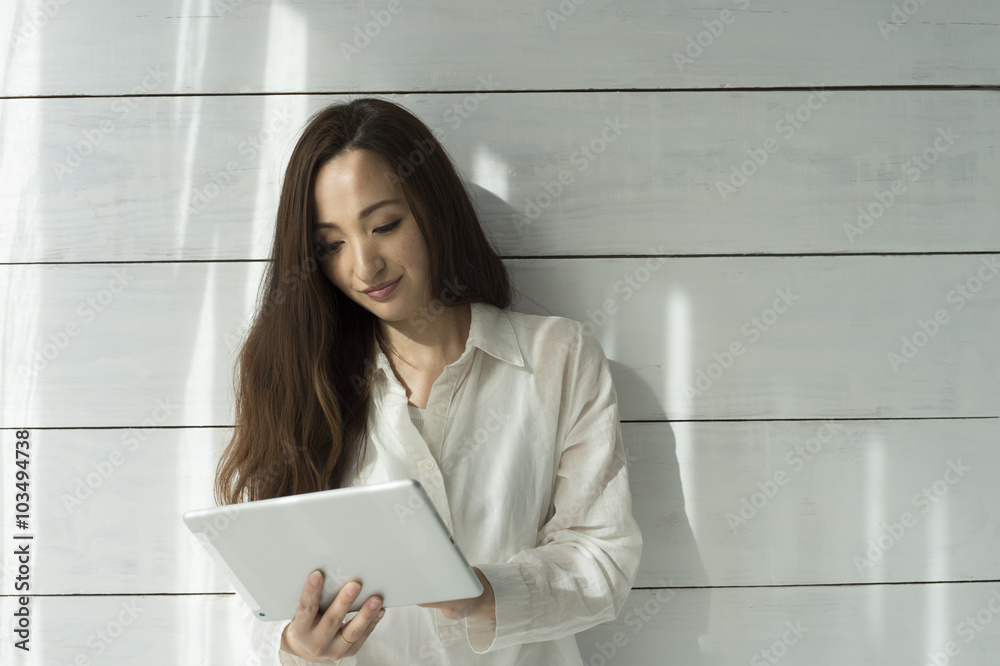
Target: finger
(305,614)
(329,624)
(355,629)
(367,632)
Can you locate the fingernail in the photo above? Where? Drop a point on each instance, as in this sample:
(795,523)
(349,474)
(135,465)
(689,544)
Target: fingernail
(380,614)
(374,604)
(353,589)
(314,578)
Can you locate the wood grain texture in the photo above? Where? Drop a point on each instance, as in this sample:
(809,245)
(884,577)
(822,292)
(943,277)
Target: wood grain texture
(99,345)
(805,171)
(812,440)
(895,625)
(234,46)
(719,504)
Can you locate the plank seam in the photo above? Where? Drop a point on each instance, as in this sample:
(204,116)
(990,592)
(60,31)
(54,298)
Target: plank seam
(543,256)
(644,589)
(984,87)
(776,420)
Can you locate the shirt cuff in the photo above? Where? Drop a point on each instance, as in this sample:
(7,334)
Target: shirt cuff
(513,610)
(292,660)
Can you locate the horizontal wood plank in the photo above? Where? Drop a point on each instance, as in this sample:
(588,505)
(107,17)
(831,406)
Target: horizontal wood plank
(250,47)
(719,504)
(784,503)
(801,626)
(812,440)
(714,338)
(898,625)
(670,173)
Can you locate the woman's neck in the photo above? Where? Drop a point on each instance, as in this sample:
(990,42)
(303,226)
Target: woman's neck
(432,341)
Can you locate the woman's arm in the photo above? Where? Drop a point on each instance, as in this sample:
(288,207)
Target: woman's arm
(482,606)
(587,557)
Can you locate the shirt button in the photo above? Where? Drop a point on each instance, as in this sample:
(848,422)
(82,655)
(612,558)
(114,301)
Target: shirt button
(440,408)
(428,465)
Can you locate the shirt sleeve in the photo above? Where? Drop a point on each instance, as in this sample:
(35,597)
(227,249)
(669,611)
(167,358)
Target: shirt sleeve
(264,642)
(587,557)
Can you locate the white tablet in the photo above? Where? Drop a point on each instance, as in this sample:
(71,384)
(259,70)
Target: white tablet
(388,536)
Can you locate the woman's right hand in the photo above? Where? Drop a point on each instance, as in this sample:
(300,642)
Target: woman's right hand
(318,638)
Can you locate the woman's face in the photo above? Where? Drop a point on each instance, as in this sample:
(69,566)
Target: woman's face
(371,236)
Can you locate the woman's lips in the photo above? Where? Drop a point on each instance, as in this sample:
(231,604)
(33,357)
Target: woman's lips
(384,291)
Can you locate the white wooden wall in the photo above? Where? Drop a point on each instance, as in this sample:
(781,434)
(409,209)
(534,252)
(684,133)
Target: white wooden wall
(788,472)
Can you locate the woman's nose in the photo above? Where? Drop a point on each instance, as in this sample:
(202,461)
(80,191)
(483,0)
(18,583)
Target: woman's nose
(368,260)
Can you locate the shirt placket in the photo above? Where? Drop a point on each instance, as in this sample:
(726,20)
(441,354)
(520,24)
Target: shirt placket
(435,420)
(435,425)
(428,470)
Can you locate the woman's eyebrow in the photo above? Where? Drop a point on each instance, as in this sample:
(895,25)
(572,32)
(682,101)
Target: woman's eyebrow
(365,213)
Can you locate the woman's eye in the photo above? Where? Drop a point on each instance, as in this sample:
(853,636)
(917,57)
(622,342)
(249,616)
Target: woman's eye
(389,227)
(330,248)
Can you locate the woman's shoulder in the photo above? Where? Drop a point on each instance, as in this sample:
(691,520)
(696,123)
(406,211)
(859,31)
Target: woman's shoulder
(542,322)
(549,331)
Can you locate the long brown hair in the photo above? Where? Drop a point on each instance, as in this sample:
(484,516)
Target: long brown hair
(303,376)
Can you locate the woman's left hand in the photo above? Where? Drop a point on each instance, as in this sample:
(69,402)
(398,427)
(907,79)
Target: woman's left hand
(482,606)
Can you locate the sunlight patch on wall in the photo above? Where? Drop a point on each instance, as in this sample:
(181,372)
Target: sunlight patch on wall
(489,171)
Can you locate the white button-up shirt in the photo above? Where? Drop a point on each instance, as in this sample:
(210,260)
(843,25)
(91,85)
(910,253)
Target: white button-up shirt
(521,453)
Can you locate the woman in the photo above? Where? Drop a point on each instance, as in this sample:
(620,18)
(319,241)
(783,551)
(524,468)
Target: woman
(399,358)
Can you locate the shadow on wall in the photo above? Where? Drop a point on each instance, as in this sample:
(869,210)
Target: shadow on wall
(651,620)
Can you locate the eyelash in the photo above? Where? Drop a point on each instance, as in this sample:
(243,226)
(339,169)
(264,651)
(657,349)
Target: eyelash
(384,229)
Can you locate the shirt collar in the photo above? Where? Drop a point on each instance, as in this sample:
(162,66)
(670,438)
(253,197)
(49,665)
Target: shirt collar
(490,330)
